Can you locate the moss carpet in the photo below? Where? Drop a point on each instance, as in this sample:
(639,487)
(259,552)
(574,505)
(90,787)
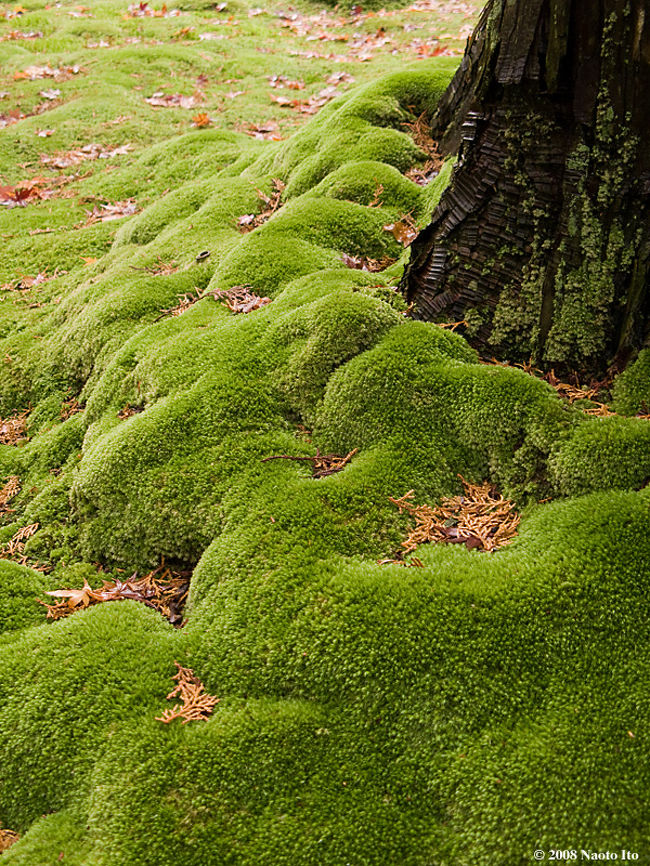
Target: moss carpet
(461,713)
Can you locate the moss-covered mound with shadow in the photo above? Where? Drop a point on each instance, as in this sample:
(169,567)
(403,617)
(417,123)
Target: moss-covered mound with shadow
(468,711)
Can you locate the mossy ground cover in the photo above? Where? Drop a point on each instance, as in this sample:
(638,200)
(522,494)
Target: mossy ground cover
(467,711)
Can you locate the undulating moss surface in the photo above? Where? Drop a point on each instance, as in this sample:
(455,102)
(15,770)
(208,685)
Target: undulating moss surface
(466,712)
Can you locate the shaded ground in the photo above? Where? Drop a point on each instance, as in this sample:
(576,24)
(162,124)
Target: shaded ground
(229,298)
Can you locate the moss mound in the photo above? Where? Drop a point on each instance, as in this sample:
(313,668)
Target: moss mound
(468,711)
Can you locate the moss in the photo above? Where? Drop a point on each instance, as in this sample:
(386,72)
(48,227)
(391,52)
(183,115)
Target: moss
(368,714)
(324,335)
(50,836)
(631,389)
(604,453)
(53,678)
(19,586)
(365,182)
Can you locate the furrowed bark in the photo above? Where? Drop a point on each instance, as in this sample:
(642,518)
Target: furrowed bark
(542,240)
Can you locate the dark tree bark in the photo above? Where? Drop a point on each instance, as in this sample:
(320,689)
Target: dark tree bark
(541,242)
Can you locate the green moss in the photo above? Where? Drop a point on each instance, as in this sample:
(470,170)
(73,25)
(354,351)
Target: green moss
(19,587)
(368,713)
(632,388)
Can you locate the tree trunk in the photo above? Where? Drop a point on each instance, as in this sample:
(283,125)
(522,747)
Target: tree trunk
(541,242)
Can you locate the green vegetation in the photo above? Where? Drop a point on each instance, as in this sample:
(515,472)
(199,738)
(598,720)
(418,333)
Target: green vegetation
(465,712)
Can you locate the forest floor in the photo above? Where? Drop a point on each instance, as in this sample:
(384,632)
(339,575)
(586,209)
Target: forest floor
(396,593)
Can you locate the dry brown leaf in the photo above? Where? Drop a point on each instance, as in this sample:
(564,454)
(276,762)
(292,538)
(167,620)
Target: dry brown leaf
(248,222)
(201,121)
(196,705)
(91,151)
(174,100)
(111,211)
(363,263)
(404,230)
(59,73)
(143,10)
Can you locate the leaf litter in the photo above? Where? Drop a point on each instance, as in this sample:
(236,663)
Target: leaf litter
(322,464)
(480,518)
(239,299)
(10,490)
(196,705)
(91,151)
(248,222)
(163,589)
(14,429)
(7,839)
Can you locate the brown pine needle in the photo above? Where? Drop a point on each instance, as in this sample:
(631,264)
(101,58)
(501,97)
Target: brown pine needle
(12,430)
(479,518)
(239,299)
(16,544)
(8,492)
(196,704)
(322,464)
(7,839)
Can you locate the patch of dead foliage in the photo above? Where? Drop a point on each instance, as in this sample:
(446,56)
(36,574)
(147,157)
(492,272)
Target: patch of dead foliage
(250,221)
(196,705)
(413,562)
(69,408)
(451,326)
(14,430)
(128,411)
(38,188)
(162,268)
(15,547)
(59,73)
(420,132)
(403,230)
(185,302)
(573,391)
(7,839)
(480,519)
(363,263)
(10,490)
(91,151)
(322,464)
(110,211)
(174,100)
(162,589)
(239,299)
(269,131)
(143,10)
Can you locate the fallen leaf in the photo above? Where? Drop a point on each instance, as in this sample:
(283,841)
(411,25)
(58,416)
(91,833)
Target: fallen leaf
(173,100)
(106,212)
(404,230)
(87,152)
